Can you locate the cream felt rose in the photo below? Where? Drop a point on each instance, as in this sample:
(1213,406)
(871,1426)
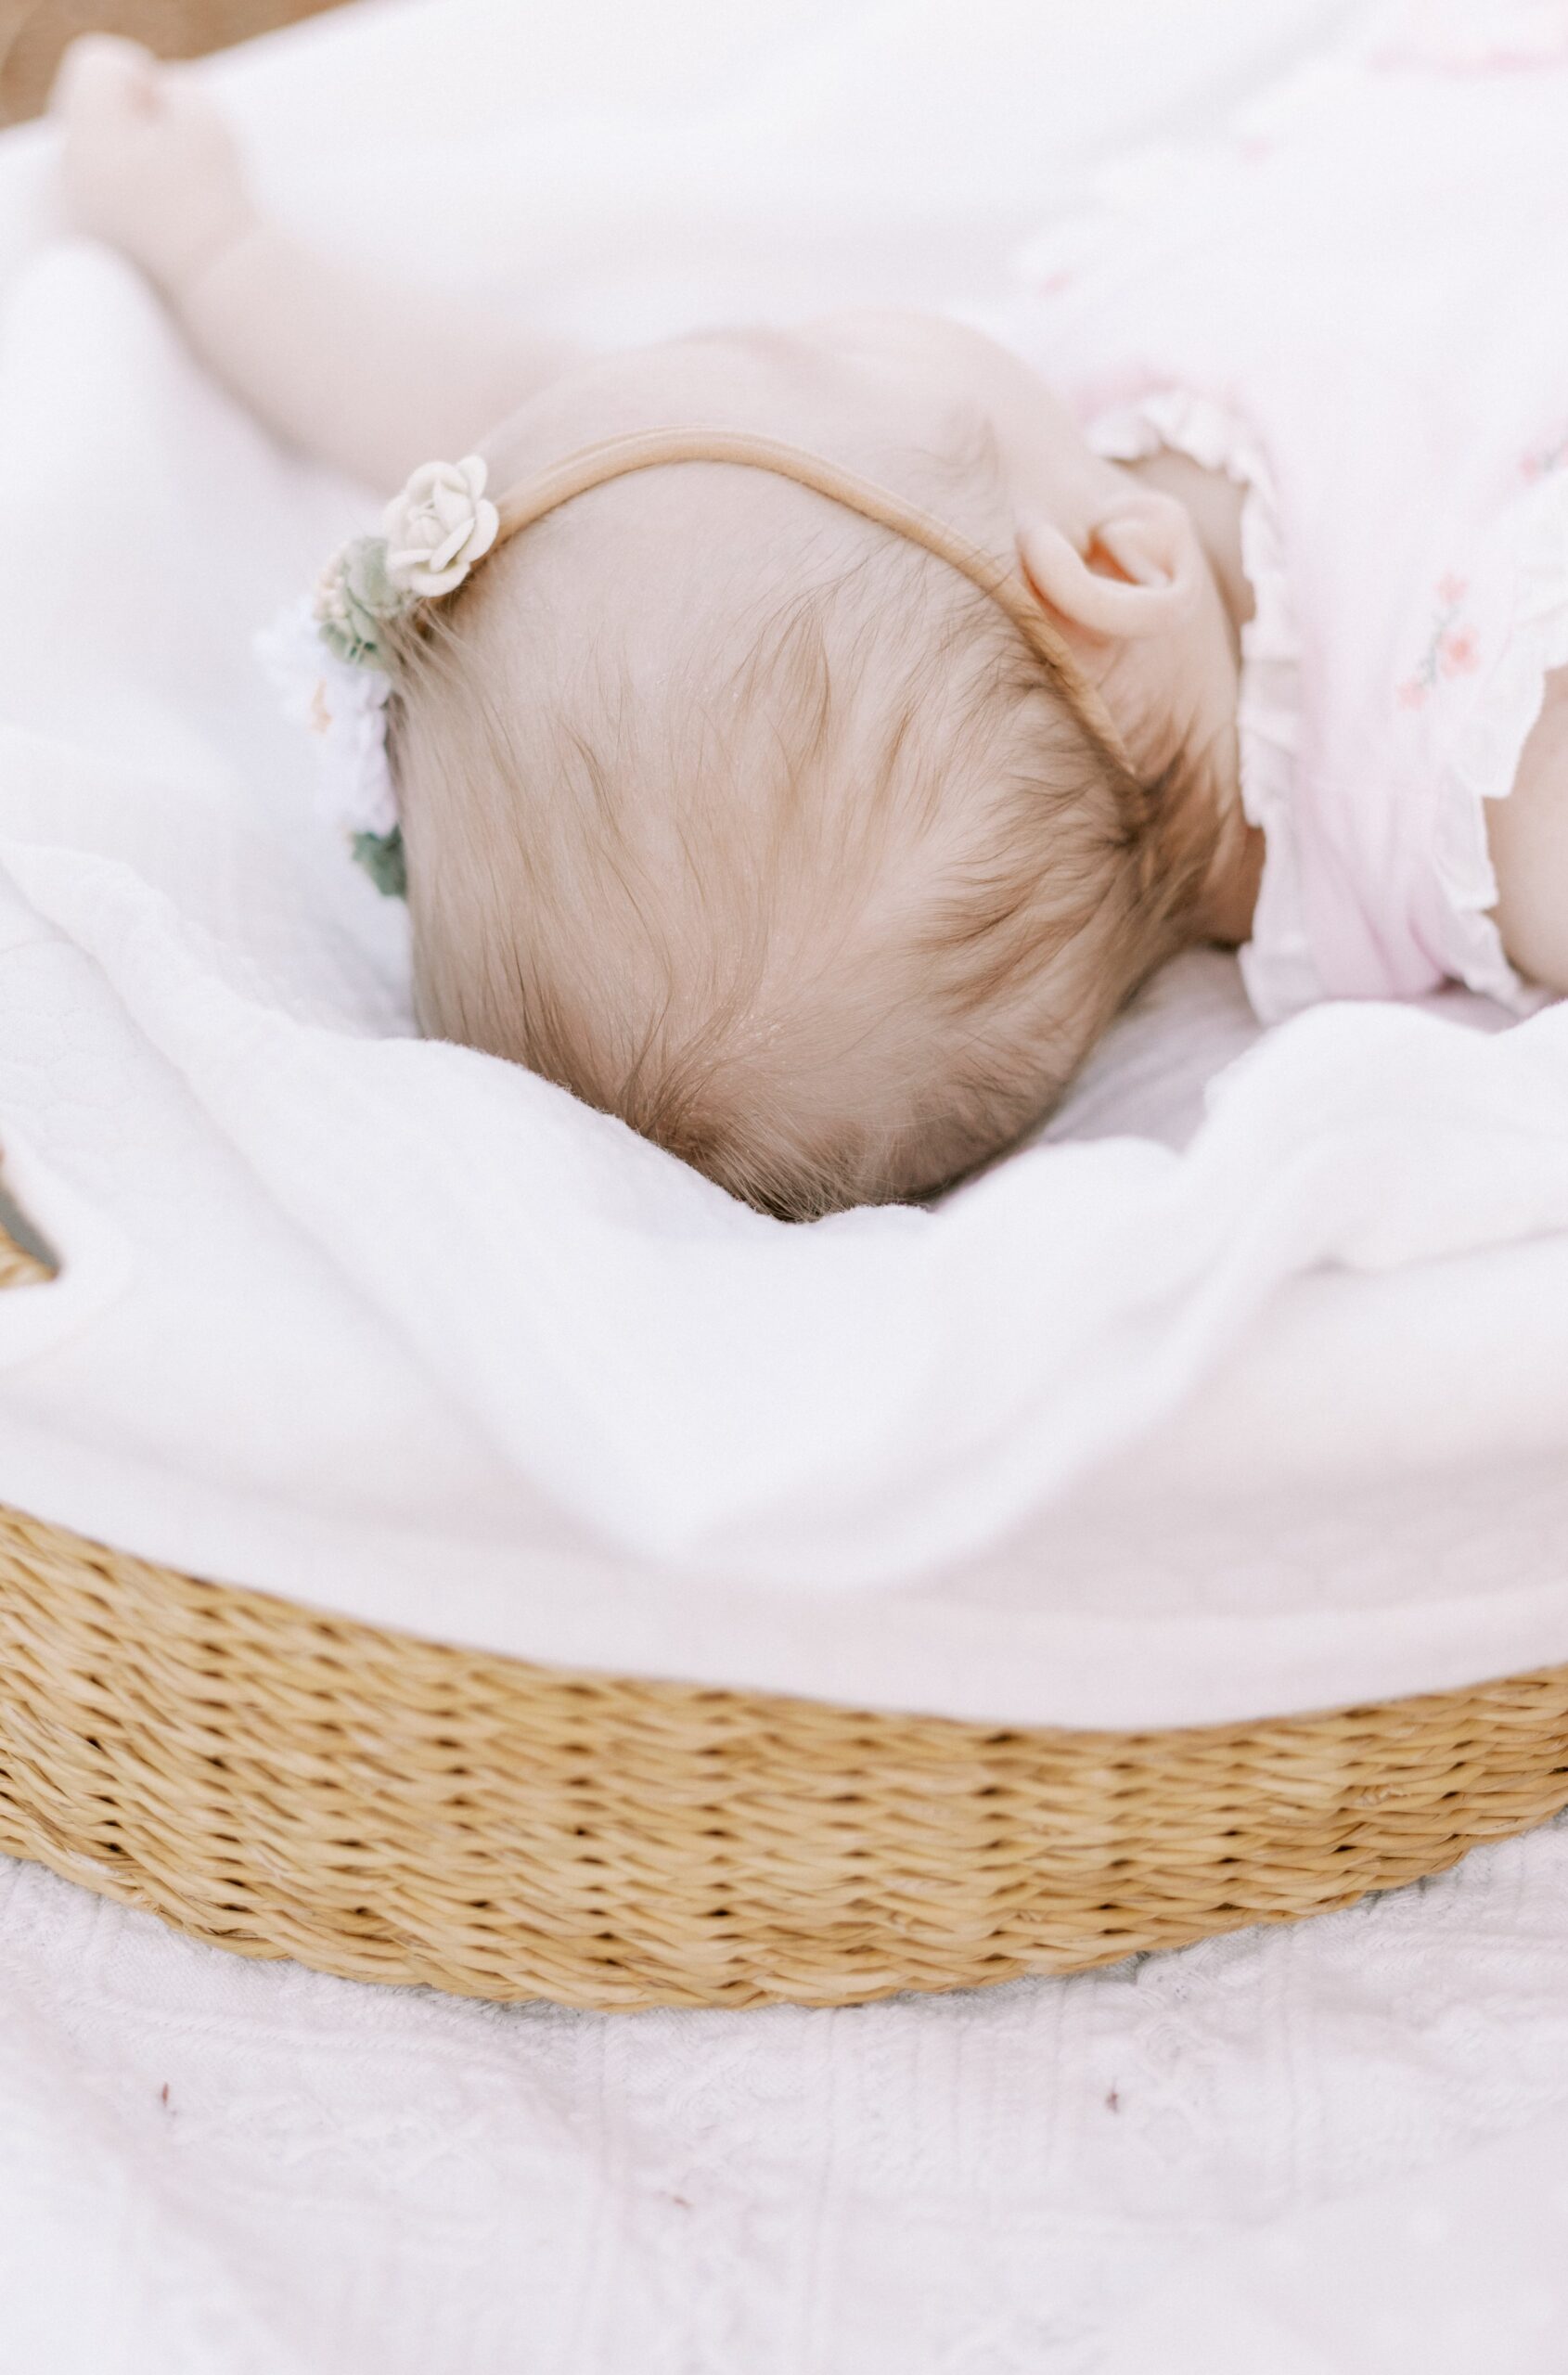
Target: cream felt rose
(438,527)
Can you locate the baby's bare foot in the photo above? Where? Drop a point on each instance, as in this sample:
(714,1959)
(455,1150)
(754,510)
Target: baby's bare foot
(147,162)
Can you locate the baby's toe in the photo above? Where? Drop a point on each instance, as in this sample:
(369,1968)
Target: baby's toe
(102,77)
(147,160)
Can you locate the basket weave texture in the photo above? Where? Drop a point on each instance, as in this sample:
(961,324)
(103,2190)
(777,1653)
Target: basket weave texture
(283,1782)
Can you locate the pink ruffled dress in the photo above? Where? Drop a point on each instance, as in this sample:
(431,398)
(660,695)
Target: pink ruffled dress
(1356,304)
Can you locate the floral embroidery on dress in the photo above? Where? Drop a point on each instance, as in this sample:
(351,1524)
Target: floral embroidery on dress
(1453,646)
(1402,58)
(1541,460)
(1457,37)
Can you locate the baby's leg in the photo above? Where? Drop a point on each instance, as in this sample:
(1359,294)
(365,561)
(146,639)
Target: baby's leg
(373,381)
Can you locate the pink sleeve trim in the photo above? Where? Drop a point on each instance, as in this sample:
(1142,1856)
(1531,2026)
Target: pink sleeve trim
(1278,965)
(1531,549)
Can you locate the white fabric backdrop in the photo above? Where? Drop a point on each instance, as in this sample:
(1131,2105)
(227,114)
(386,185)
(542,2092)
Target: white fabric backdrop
(406,1330)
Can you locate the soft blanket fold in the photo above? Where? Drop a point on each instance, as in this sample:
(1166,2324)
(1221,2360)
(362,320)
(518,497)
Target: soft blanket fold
(364,1287)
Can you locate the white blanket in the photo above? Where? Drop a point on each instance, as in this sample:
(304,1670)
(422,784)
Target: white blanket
(402,1328)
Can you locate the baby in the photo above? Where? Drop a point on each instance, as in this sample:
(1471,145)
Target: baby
(803,744)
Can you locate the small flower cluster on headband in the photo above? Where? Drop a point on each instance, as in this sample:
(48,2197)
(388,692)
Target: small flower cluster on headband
(330,657)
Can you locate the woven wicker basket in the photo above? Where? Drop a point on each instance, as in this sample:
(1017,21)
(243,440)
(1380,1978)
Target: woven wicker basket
(281,1782)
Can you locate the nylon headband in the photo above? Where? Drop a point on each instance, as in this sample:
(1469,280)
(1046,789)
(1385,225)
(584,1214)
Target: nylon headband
(648,449)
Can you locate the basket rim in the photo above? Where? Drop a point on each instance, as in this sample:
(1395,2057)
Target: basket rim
(278,1780)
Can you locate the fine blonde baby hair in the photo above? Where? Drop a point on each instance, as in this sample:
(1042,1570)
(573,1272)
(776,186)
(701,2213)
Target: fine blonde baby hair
(756,822)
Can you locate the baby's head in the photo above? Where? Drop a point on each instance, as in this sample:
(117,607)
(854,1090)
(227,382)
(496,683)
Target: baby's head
(761,825)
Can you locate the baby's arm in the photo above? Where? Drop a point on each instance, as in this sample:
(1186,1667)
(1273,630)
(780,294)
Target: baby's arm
(372,380)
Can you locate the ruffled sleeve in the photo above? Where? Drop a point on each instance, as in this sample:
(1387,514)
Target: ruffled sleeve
(1278,965)
(1522,586)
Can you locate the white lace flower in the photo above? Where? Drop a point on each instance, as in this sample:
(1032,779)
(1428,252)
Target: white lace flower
(344,706)
(438,527)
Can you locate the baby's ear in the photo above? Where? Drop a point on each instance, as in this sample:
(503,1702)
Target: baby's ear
(1137,573)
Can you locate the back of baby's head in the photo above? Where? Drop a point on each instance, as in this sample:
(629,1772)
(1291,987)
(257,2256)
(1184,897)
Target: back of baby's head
(761,829)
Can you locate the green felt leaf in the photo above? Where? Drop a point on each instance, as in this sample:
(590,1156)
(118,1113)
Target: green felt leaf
(381,856)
